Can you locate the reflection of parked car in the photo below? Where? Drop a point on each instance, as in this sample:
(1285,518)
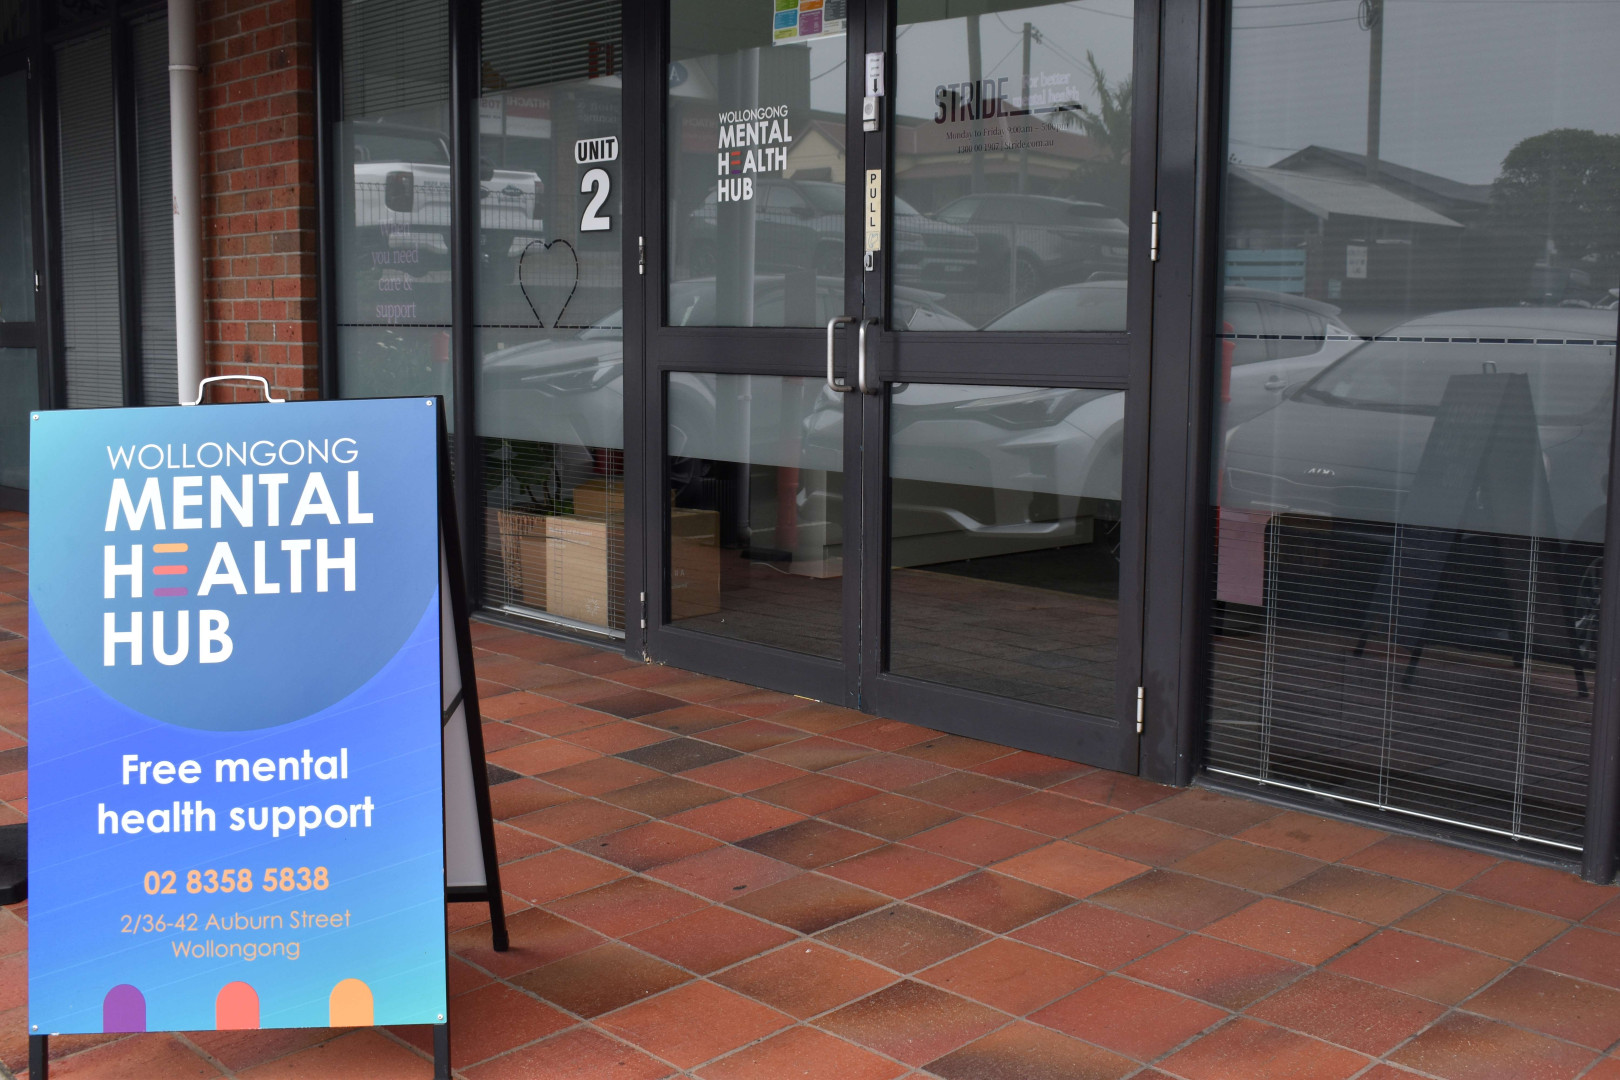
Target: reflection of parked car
(1348,443)
(1277,340)
(1041,240)
(799,225)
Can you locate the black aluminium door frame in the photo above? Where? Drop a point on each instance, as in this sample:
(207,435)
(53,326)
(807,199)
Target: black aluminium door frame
(1093,360)
(1085,360)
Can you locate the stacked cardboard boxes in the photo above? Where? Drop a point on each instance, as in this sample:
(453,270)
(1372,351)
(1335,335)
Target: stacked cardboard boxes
(523,555)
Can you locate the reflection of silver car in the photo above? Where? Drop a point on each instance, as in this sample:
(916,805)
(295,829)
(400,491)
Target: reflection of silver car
(1271,341)
(1041,240)
(1348,444)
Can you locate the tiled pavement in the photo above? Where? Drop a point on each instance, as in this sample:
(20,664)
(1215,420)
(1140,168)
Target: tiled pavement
(708,880)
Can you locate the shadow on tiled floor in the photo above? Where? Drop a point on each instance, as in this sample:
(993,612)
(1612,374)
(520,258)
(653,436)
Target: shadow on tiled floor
(710,880)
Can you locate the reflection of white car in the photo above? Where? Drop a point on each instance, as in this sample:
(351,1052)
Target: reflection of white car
(1272,341)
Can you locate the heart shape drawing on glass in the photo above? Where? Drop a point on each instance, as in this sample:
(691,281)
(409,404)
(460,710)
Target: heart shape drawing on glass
(548,275)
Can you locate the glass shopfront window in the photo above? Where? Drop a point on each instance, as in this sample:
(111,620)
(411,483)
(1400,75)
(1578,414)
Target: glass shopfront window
(1421,266)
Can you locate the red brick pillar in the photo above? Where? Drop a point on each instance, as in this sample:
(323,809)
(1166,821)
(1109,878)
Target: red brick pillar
(257,90)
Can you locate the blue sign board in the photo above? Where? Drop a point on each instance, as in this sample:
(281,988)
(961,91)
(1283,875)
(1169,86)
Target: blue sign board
(234,717)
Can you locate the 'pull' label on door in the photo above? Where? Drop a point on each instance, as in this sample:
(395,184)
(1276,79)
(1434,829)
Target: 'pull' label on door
(874,209)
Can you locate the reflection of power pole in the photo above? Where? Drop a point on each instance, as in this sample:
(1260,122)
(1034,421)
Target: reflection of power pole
(1371,17)
(1023,152)
(976,76)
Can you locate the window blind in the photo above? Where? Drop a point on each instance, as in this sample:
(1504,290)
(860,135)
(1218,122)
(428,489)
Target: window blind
(396,55)
(528,44)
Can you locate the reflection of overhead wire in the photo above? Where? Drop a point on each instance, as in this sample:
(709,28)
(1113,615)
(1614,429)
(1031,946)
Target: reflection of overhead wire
(1301,22)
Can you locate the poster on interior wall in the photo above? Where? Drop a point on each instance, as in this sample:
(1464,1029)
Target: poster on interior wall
(794,21)
(236,815)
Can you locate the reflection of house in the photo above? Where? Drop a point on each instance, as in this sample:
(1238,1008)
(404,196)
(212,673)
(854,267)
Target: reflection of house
(818,152)
(1453,198)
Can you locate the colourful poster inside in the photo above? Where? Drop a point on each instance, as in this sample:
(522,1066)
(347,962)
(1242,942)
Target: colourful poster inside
(234,716)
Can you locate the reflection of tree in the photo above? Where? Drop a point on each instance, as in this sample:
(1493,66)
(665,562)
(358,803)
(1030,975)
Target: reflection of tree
(1106,178)
(1564,186)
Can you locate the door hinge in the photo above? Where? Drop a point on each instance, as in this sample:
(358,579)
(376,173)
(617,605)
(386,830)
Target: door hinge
(641,258)
(1139,710)
(1153,239)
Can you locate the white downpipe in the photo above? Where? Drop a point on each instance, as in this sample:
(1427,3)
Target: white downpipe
(184,167)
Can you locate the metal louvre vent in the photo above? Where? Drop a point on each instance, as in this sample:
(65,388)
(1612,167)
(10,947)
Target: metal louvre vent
(396,54)
(1444,674)
(554,531)
(159,355)
(90,330)
(528,44)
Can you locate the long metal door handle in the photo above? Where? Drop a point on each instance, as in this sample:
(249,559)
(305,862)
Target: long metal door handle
(860,357)
(832,380)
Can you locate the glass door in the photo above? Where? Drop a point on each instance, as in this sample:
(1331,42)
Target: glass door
(903,330)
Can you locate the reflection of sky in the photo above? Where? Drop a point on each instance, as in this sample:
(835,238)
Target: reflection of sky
(932,53)
(1464,80)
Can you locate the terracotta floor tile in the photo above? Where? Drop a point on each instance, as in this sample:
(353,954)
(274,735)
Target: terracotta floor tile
(1142,1021)
(690,719)
(819,718)
(1463,1047)
(578,1054)
(494,1019)
(1414,965)
(709,939)
(752,736)
(665,796)
(625,906)
(678,755)
(1218,972)
(542,756)
(887,771)
(1292,931)
(1010,976)
(1360,894)
(1097,936)
(1178,899)
(1607,1068)
(898,870)
(1352,1013)
(993,901)
(602,979)
(512,843)
(147,1056)
(1540,888)
(813,793)
(535,936)
(617,736)
(736,818)
(1571,1009)
(510,706)
(805,979)
(974,840)
(1312,836)
(1248,866)
(956,751)
(913,1022)
(577,819)
(631,703)
(600,775)
(560,719)
(816,752)
(1035,770)
(903,938)
(1606,917)
(809,902)
(362,1055)
(524,796)
(652,843)
(802,1053)
(554,874)
(1440,865)
(882,734)
(1512,933)
(497,736)
(810,844)
(968,793)
(1027,1052)
(694,1023)
(1054,815)
(241,1050)
(1070,869)
(724,872)
(702,688)
(1249,1050)
(1145,839)
(751,701)
(890,816)
(1584,953)
(1212,811)
(744,774)
(1115,789)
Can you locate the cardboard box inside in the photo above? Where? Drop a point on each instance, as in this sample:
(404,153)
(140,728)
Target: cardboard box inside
(523,555)
(694,563)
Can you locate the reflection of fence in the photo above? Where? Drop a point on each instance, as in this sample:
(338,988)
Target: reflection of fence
(1461,700)
(1278,270)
